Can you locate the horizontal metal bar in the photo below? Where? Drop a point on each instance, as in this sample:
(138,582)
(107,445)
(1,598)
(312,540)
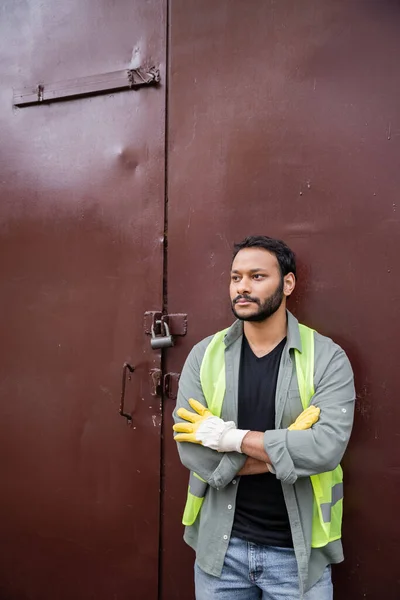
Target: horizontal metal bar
(92,85)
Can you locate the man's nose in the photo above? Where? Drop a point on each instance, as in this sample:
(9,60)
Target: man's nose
(244,286)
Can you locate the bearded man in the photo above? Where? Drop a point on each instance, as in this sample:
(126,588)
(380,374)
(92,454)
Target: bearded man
(263,417)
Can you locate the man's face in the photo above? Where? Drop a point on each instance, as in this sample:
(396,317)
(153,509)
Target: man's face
(257,286)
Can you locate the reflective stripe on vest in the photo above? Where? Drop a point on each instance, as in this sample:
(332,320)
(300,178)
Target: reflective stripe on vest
(195,498)
(327,487)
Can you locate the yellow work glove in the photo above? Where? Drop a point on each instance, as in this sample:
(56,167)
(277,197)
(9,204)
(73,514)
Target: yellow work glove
(204,428)
(188,430)
(306,419)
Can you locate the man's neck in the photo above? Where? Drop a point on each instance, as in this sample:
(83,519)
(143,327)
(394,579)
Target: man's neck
(266,335)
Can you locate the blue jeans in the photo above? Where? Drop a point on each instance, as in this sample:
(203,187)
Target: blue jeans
(254,572)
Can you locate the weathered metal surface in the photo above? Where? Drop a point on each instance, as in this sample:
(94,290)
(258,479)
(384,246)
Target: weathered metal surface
(285,120)
(117,81)
(81,235)
(156,375)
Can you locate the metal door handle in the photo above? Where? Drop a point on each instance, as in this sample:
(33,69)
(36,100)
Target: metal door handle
(125,368)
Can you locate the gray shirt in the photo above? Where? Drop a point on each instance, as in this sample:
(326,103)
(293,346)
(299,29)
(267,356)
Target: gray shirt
(295,455)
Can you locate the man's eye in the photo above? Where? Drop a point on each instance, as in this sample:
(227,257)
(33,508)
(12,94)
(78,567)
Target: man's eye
(235,278)
(258,276)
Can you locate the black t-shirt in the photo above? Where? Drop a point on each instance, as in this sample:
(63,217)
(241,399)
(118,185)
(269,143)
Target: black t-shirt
(261,515)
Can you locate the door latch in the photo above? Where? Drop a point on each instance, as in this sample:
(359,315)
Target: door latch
(164,328)
(171,382)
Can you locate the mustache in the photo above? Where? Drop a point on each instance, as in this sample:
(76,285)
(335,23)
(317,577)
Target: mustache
(245,297)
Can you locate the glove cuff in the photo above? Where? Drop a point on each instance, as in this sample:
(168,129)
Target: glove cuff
(231,440)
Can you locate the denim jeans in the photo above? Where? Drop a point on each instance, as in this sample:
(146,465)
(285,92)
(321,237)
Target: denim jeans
(254,572)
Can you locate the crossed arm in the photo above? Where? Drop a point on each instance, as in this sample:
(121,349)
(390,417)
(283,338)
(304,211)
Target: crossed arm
(200,426)
(257,459)
(253,466)
(292,454)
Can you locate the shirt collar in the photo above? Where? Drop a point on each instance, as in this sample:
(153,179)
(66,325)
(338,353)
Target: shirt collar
(235,331)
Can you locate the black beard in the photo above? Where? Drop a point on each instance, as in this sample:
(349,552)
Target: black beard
(266,308)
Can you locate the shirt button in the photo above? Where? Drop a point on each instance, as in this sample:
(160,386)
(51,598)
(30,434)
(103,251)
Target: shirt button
(225,537)
(233,481)
(229,506)
(344,410)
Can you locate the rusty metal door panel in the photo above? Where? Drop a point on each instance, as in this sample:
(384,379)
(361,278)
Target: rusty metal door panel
(285,120)
(81,213)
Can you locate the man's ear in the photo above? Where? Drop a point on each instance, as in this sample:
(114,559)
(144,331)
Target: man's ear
(289,283)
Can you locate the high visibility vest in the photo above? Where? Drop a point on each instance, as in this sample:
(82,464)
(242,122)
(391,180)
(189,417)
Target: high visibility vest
(327,487)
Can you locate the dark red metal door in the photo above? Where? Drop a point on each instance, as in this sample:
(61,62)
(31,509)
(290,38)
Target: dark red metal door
(82,224)
(285,120)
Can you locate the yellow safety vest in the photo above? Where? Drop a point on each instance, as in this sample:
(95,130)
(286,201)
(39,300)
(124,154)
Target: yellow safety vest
(327,487)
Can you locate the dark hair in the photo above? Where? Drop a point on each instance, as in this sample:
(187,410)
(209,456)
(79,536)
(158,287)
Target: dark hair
(284,255)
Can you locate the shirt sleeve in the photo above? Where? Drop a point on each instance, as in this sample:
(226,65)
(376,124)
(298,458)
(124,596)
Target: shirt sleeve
(296,454)
(216,468)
